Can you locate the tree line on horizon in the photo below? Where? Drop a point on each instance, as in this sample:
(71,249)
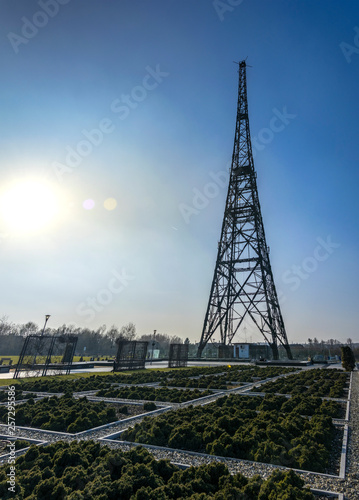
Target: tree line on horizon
(91,342)
(102,341)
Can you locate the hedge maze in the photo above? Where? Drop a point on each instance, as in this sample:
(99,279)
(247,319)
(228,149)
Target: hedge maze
(231,412)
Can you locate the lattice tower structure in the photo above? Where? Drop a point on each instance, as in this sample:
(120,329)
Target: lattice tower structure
(243,285)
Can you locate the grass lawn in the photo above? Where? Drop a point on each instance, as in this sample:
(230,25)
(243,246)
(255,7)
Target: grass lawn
(74,376)
(13,358)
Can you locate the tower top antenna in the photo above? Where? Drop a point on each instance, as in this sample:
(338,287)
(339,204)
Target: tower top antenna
(243,63)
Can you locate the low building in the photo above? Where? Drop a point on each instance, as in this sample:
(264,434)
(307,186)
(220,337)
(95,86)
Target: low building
(245,351)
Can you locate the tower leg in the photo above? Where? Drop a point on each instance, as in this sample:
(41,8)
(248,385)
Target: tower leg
(275,351)
(288,351)
(200,350)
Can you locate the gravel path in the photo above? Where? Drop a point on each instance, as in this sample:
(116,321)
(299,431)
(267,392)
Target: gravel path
(351,489)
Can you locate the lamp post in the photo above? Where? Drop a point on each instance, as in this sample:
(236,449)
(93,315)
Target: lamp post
(153,344)
(39,343)
(46,320)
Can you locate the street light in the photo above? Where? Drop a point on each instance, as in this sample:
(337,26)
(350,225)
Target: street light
(153,344)
(46,320)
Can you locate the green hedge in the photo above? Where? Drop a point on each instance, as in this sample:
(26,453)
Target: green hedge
(267,430)
(64,414)
(206,374)
(19,395)
(233,375)
(317,382)
(85,470)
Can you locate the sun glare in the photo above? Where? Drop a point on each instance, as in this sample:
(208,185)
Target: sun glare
(28,206)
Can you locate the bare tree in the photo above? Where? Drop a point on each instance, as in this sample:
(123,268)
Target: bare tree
(175,339)
(5,326)
(62,330)
(128,332)
(112,334)
(101,330)
(29,328)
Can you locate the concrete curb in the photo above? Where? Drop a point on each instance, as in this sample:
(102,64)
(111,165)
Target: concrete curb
(347,414)
(124,421)
(330,494)
(93,429)
(343,458)
(138,402)
(4,437)
(41,431)
(22,451)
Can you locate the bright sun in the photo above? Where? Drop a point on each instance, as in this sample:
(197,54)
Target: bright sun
(28,206)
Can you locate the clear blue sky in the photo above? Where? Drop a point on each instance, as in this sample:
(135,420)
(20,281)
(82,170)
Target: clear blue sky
(157,78)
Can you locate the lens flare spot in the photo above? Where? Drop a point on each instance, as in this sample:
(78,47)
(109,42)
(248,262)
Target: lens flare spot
(88,204)
(110,204)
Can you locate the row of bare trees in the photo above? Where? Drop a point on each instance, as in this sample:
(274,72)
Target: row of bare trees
(99,342)
(326,348)
(332,342)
